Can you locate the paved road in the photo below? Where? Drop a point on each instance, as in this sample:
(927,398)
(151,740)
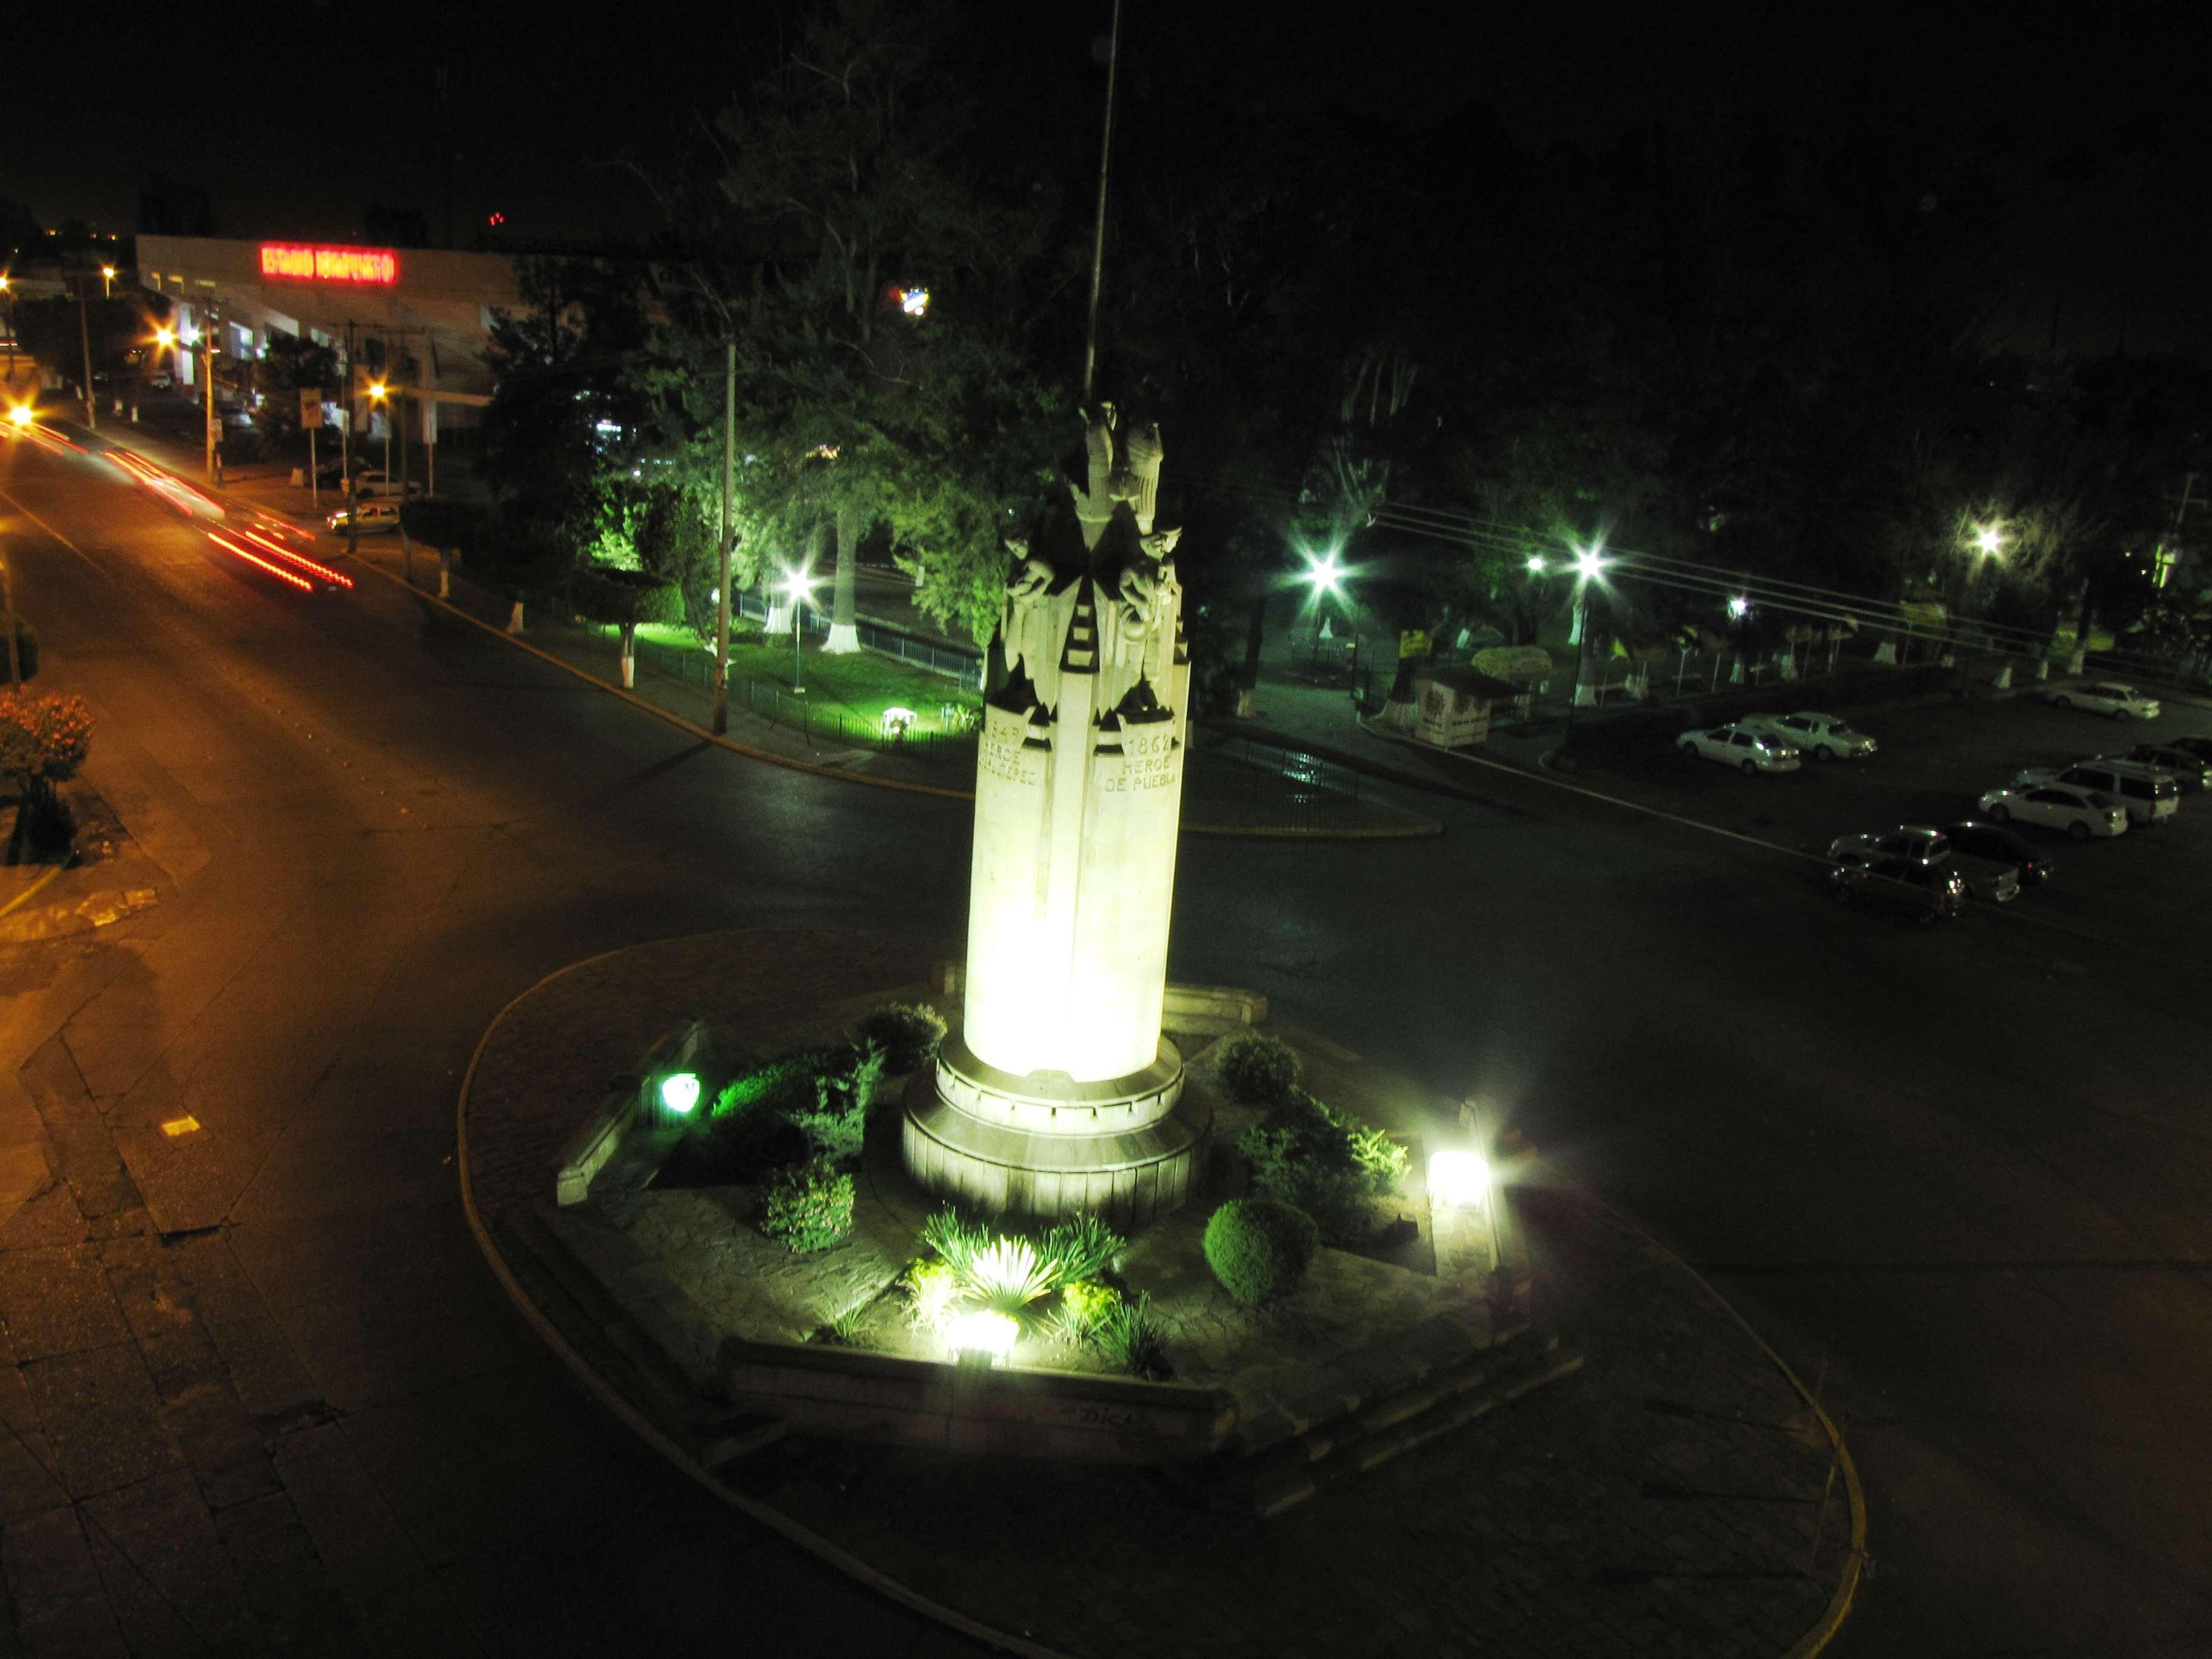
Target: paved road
(1963,1175)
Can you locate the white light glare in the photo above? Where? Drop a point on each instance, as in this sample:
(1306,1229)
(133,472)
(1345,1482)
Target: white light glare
(1990,539)
(913,301)
(897,721)
(1739,607)
(1460,1179)
(799,583)
(679,1093)
(1588,562)
(984,1331)
(1324,572)
(1535,565)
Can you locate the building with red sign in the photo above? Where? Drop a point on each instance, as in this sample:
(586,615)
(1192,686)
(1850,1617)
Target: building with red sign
(422,313)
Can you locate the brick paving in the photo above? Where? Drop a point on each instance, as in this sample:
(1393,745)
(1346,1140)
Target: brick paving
(1668,1499)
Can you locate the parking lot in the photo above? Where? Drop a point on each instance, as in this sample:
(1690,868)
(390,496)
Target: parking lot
(2147,892)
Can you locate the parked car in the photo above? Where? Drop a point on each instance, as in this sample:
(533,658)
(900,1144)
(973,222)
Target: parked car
(1993,881)
(377,518)
(1928,892)
(1739,746)
(2193,772)
(2001,846)
(2200,747)
(2081,813)
(2121,702)
(1824,737)
(2148,795)
(378,485)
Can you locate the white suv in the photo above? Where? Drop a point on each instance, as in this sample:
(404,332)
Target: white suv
(2149,795)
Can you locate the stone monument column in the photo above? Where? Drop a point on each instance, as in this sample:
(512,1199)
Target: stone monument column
(1057,1093)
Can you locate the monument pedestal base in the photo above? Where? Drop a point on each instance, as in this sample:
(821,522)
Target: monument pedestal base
(1044,1144)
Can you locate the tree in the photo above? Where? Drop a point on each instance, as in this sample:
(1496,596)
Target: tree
(521,558)
(45,736)
(449,526)
(624,599)
(881,381)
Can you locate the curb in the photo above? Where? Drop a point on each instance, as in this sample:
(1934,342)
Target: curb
(773,1520)
(1825,1630)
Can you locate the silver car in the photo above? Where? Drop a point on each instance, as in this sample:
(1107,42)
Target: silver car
(1749,752)
(1824,737)
(1986,880)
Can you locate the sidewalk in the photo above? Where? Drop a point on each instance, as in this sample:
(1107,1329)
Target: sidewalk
(1679,1494)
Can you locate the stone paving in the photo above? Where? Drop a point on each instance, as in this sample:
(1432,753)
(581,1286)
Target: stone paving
(1675,1497)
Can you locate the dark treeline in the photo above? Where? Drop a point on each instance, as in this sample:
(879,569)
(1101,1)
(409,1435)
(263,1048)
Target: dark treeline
(1759,347)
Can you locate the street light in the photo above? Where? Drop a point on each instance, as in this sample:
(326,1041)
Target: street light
(1739,607)
(1535,564)
(1989,540)
(108,281)
(376,396)
(1589,565)
(798,584)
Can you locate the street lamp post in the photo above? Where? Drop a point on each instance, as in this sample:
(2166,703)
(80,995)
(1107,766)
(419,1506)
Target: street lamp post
(797,585)
(84,337)
(1588,563)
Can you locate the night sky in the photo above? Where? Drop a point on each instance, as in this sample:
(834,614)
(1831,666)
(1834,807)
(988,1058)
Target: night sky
(301,114)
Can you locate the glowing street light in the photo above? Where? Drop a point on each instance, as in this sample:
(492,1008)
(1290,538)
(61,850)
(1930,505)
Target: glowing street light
(799,583)
(19,416)
(679,1093)
(1588,562)
(1324,574)
(1989,541)
(1535,564)
(376,396)
(1739,607)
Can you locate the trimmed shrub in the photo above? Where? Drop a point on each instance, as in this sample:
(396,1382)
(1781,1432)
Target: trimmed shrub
(1259,1250)
(906,1032)
(809,1206)
(835,1122)
(1258,1070)
(1327,1162)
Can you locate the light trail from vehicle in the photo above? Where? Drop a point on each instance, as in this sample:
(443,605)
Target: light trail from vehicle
(336,579)
(278,571)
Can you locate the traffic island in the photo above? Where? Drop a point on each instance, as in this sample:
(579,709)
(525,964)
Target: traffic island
(1677,1486)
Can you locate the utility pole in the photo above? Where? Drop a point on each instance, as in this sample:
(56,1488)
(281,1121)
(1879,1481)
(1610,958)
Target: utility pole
(214,412)
(84,337)
(722,721)
(406,549)
(345,451)
(1098,231)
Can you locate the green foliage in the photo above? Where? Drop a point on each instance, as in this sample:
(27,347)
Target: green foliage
(44,738)
(931,1289)
(1083,1304)
(957,1238)
(836,1123)
(1324,1162)
(1006,1275)
(521,557)
(1258,1070)
(624,599)
(809,1207)
(1259,1250)
(843,1328)
(1131,1336)
(1080,1247)
(906,1032)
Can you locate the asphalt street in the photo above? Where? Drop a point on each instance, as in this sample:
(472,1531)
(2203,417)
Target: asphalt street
(1961,1177)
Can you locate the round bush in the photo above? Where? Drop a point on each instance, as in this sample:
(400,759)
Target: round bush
(1259,1070)
(810,1207)
(906,1032)
(1259,1250)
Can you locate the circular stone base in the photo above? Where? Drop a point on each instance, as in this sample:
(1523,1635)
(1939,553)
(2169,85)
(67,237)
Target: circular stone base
(1044,1144)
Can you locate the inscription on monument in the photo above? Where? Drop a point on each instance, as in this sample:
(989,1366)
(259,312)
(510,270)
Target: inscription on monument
(1149,761)
(1003,754)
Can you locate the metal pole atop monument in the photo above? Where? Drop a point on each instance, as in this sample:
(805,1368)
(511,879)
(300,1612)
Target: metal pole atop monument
(1098,229)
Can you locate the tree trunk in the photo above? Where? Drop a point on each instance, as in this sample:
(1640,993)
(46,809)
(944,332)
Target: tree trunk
(1256,635)
(844,631)
(630,656)
(514,619)
(445,573)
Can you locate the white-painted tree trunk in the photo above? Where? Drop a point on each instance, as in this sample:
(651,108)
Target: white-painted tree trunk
(514,619)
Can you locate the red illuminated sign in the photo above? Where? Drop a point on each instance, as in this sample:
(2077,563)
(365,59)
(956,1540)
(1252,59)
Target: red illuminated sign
(329,264)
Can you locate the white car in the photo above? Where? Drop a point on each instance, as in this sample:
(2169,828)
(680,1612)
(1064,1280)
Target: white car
(2081,813)
(2121,702)
(2145,793)
(1739,746)
(376,517)
(1824,737)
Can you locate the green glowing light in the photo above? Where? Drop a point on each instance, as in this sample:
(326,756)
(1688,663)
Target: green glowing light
(679,1093)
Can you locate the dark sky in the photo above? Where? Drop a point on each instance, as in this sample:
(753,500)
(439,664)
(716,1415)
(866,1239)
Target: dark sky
(295,116)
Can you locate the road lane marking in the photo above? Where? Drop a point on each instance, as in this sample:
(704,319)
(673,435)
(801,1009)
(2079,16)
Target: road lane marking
(57,535)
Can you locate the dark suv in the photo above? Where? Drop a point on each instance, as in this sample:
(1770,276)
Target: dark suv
(2000,845)
(1928,892)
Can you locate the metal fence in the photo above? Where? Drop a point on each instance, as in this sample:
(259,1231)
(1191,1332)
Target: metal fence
(821,725)
(966,667)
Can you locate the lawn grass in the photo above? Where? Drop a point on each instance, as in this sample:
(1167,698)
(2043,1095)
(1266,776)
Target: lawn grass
(862,684)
